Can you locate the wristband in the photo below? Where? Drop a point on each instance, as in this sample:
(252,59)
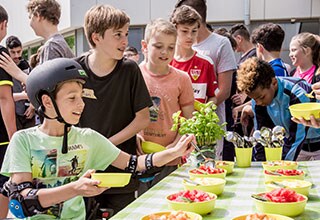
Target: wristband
(132,164)
(149,161)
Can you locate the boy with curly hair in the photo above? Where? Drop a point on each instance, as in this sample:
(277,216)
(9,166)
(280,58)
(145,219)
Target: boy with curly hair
(271,97)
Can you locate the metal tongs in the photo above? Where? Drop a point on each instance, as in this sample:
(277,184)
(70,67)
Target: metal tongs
(208,162)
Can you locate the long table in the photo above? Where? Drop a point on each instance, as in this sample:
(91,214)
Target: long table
(234,201)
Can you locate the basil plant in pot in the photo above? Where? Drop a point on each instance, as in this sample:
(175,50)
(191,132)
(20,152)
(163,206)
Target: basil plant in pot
(204,125)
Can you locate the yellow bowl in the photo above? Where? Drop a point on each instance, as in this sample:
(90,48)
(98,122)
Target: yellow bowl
(304,110)
(227,165)
(112,179)
(157,215)
(149,147)
(212,185)
(280,164)
(281,208)
(200,208)
(272,216)
(299,186)
(206,175)
(270,177)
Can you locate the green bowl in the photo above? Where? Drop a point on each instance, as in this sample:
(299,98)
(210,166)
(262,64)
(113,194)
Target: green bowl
(273,216)
(157,215)
(270,177)
(206,175)
(211,185)
(149,147)
(290,209)
(112,179)
(201,208)
(227,165)
(280,164)
(299,186)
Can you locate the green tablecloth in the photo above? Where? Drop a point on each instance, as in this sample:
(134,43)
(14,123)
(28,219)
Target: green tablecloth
(234,201)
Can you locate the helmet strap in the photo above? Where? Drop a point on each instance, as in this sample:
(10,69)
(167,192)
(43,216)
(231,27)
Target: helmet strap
(61,120)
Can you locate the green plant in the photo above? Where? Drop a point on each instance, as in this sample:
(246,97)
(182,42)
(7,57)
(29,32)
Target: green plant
(204,124)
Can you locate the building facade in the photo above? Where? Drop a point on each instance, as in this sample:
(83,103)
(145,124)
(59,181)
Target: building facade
(294,16)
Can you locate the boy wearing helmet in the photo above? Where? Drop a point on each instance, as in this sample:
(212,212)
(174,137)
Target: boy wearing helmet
(116,96)
(43,183)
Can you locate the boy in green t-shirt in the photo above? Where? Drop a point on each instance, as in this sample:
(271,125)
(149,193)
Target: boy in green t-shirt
(49,181)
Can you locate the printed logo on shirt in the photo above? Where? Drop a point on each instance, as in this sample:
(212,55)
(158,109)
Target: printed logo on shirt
(51,168)
(195,73)
(155,108)
(88,93)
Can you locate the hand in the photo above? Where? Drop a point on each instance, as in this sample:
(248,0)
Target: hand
(316,88)
(139,150)
(235,113)
(9,65)
(85,186)
(313,122)
(184,147)
(29,113)
(236,99)
(246,114)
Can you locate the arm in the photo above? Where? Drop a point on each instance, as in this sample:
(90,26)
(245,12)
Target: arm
(140,122)
(84,186)
(8,109)
(239,109)
(159,159)
(10,67)
(224,85)
(17,96)
(187,111)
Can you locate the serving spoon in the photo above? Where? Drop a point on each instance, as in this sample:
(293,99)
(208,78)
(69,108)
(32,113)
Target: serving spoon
(310,95)
(208,162)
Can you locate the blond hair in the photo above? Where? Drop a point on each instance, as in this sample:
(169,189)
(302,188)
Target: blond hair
(102,17)
(159,25)
(305,40)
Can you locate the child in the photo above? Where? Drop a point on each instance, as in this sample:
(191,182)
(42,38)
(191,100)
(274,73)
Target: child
(170,89)
(305,56)
(199,67)
(219,49)
(43,183)
(271,98)
(7,110)
(44,19)
(116,96)
(117,99)
(131,53)
(242,36)
(268,39)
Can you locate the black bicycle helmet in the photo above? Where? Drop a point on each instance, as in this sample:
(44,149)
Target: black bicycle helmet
(44,79)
